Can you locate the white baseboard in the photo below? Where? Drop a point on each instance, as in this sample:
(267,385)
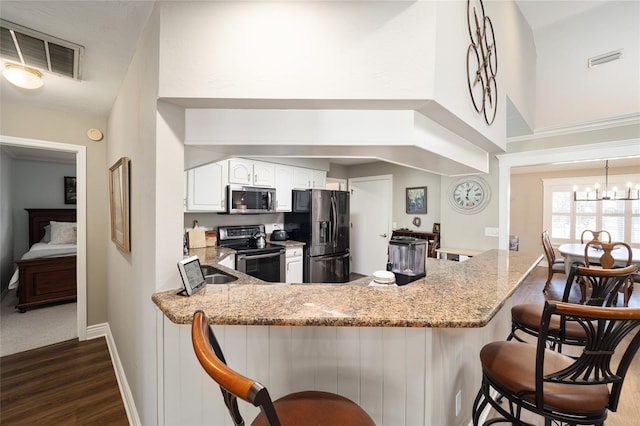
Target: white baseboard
(103,330)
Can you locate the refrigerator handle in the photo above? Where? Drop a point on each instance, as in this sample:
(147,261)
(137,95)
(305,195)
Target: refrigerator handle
(334,218)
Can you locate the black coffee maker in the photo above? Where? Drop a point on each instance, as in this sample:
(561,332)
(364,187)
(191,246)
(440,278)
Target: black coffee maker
(407,259)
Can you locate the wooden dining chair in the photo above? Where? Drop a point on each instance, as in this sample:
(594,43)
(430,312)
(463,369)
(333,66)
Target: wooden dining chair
(607,261)
(300,408)
(564,390)
(555,264)
(595,235)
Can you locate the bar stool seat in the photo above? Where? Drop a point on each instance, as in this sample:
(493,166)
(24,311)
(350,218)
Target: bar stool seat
(300,408)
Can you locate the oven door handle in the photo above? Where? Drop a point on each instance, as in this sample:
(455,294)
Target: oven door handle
(259,256)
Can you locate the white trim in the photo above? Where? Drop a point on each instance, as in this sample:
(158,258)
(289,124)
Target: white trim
(103,330)
(81,213)
(625,120)
(624,148)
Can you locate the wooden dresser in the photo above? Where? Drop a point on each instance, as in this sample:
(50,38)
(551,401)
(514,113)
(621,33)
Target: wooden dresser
(433,239)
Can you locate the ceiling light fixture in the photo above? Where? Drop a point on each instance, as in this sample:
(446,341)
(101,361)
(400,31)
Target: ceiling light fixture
(588,195)
(22,76)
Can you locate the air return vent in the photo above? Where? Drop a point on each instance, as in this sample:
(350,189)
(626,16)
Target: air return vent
(604,58)
(37,50)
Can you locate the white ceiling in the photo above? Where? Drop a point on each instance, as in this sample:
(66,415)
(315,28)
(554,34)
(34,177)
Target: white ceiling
(109,30)
(540,13)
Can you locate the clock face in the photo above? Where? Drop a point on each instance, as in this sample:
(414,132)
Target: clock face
(469,195)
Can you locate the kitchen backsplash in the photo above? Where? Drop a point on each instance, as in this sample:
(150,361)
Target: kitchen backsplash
(211,221)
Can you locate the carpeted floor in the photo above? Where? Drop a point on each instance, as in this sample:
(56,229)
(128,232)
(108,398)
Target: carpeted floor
(35,328)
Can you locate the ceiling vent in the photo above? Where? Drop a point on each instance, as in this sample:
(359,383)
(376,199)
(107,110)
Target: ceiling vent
(604,58)
(37,50)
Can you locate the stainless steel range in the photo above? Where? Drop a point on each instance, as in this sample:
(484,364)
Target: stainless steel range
(254,256)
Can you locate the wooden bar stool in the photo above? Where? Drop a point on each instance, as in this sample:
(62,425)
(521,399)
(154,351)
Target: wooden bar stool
(300,408)
(573,390)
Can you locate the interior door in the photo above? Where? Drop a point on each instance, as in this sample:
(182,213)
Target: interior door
(371,212)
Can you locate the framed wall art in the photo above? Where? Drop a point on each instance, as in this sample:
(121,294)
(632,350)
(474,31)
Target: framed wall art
(417,200)
(119,203)
(69,190)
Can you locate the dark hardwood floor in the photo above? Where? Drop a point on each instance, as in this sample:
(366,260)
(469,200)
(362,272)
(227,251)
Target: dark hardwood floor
(68,383)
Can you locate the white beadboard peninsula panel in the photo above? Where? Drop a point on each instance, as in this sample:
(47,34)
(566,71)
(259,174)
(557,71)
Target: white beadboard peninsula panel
(400,376)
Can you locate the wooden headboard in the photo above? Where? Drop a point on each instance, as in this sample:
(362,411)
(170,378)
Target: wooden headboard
(39,218)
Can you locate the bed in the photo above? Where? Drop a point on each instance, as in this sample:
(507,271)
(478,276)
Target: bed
(46,274)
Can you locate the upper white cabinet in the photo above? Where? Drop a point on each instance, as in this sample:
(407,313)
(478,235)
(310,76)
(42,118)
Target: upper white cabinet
(309,178)
(206,187)
(249,172)
(284,185)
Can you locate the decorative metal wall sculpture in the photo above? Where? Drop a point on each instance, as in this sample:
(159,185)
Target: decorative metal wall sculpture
(482,61)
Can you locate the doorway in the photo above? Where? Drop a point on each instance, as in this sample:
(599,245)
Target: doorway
(79,152)
(371,213)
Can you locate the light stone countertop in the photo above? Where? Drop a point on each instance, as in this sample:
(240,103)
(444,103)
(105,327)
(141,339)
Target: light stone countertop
(453,294)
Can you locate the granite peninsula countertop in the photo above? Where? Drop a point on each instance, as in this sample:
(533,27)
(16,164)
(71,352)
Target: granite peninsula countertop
(452,294)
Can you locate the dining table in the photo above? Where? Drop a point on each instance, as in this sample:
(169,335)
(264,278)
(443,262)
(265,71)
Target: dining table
(575,252)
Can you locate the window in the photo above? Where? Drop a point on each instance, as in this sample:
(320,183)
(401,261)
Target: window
(566,218)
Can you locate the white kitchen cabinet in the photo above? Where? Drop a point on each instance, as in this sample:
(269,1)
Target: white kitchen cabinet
(240,171)
(308,178)
(264,174)
(206,187)
(284,185)
(318,179)
(294,265)
(249,172)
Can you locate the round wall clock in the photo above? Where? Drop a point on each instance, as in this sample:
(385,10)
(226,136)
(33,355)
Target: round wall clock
(469,195)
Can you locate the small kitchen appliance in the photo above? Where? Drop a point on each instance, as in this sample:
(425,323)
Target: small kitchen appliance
(407,258)
(279,235)
(250,200)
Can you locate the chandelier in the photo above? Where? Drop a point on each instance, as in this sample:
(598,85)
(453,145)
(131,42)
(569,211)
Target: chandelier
(629,193)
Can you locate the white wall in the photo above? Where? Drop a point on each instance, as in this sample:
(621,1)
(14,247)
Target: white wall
(405,178)
(568,92)
(297,50)
(132,277)
(468,231)
(6,222)
(35,184)
(329,55)
(518,60)
(61,127)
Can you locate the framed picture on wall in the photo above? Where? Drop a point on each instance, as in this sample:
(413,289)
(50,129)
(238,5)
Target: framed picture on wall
(119,203)
(69,190)
(417,200)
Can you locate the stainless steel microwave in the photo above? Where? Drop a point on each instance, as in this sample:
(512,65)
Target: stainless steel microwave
(250,200)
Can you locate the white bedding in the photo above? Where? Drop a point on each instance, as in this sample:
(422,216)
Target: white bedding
(40,250)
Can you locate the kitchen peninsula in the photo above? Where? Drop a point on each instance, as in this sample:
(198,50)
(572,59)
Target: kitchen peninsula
(404,353)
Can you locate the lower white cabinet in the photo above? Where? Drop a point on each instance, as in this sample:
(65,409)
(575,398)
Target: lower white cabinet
(294,265)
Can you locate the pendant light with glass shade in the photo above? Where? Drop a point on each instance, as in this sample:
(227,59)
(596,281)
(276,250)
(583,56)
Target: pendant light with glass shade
(22,76)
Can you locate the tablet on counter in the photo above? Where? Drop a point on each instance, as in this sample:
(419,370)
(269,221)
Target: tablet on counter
(191,274)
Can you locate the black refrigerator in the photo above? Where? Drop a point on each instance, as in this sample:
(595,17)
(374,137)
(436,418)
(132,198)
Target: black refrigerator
(320,219)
